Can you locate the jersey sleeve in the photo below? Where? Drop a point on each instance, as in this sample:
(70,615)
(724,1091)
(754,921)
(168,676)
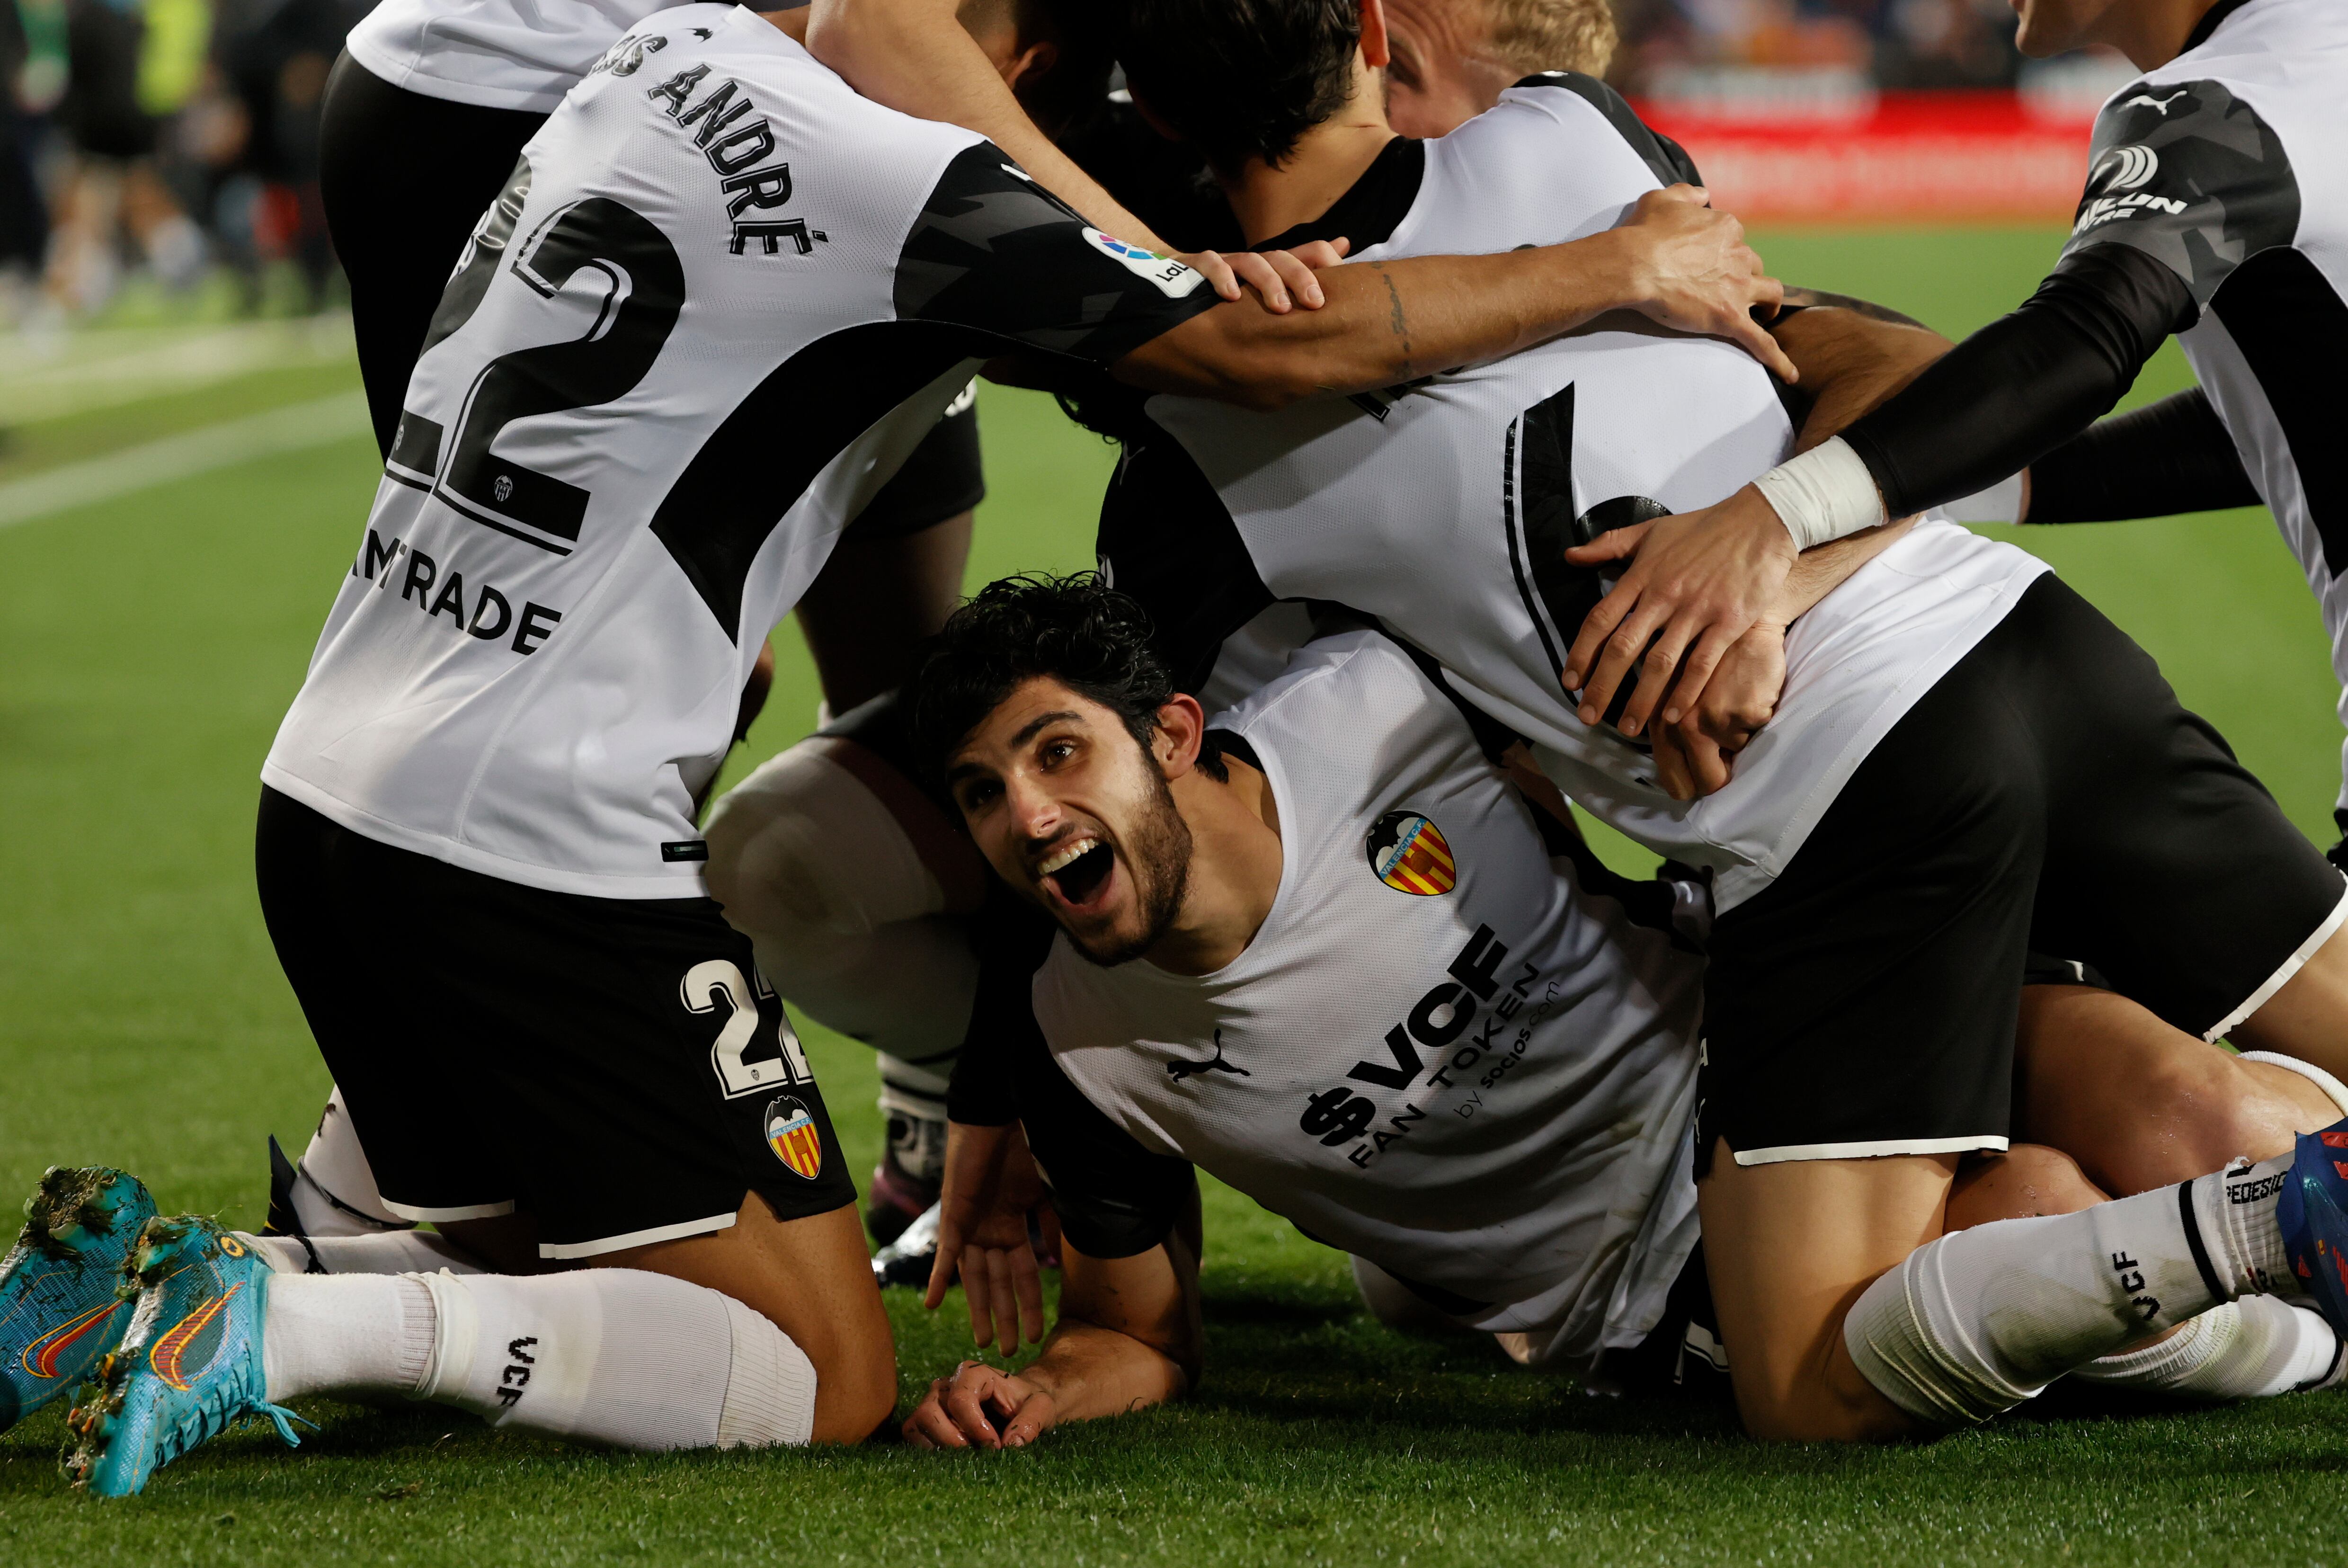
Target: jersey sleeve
(2171,457)
(2191,176)
(1115,1198)
(992,250)
(2185,184)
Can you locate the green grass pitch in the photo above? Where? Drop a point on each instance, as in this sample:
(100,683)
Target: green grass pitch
(148,646)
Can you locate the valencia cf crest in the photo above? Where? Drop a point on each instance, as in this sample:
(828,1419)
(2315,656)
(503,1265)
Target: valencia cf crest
(1410,855)
(792,1134)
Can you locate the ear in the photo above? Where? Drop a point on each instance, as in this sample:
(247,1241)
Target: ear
(1377,52)
(1031,66)
(1181,732)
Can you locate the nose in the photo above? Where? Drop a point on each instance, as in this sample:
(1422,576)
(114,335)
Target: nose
(1035,814)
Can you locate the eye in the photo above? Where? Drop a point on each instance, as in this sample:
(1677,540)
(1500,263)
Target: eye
(978,796)
(1057,750)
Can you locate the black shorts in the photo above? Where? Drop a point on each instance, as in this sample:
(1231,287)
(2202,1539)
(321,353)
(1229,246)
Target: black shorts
(613,1069)
(2047,795)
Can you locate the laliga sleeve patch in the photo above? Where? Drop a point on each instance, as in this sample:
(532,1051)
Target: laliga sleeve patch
(792,1134)
(1174,279)
(1410,854)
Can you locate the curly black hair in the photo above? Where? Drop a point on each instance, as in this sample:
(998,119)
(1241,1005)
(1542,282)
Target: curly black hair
(1077,630)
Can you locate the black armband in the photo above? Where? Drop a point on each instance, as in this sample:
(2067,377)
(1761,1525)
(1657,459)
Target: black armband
(2169,457)
(2025,383)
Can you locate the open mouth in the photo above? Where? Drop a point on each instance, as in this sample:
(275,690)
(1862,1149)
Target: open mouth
(1077,871)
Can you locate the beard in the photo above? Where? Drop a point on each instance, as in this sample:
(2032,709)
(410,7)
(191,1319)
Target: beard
(1157,855)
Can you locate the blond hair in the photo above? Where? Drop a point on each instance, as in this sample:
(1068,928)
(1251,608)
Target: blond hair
(1533,35)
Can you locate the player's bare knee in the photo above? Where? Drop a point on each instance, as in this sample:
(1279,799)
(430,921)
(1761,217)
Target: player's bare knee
(2199,1108)
(2025,1181)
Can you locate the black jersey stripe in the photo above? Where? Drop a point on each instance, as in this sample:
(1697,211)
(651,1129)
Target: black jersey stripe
(2292,327)
(759,461)
(1516,553)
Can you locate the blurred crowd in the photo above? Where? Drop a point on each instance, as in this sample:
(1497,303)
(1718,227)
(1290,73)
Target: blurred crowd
(1877,43)
(181,135)
(175,136)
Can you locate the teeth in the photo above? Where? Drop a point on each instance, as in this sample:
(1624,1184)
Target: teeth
(1065,857)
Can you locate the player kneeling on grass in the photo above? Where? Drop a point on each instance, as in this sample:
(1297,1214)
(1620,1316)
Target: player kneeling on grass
(1321,947)
(475,850)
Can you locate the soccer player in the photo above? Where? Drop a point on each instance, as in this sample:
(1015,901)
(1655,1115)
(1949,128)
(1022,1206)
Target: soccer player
(1968,761)
(1318,946)
(723,296)
(473,88)
(2212,212)
(835,926)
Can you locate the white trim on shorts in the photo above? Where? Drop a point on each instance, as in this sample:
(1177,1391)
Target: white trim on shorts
(636,1238)
(441,1216)
(2281,977)
(1880,1149)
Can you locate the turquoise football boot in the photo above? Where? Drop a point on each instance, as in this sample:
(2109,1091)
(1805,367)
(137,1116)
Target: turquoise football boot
(59,1310)
(189,1366)
(2313,1215)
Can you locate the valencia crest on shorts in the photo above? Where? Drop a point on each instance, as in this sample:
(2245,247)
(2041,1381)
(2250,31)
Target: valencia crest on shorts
(792,1134)
(1410,855)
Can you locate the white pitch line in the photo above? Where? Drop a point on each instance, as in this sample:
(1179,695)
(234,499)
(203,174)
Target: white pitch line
(293,428)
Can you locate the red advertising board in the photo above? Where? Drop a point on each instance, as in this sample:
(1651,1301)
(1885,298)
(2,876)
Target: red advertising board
(1979,156)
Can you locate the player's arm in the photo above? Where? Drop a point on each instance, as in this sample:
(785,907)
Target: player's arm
(2165,458)
(994,252)
(1389,322)
(1128,1338)
(1852,355)
(2184,185)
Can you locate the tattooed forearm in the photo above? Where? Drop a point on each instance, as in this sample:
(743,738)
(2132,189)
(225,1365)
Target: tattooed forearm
(1397,323)
(1804,299)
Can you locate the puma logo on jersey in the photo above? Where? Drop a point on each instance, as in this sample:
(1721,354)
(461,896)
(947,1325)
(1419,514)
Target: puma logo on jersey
(2151,102)
(736,140)
(1181,1071)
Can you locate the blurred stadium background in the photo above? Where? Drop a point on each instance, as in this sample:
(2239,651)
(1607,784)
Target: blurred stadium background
(183,467)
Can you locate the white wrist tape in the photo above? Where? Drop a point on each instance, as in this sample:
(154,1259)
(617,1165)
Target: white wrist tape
(2002,502)
(1824,495)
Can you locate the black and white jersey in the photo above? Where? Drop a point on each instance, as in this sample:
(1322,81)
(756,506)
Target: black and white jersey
(500,54)
(2229,165)
(1443,1050)
(721,300)
(1442,508)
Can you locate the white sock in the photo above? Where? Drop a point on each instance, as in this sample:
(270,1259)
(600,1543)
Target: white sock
(356,1333)
(1975,1322)
(2253,1348)
(612,1356)
(379,1253)
(334,1186)
(2236,1212)
(617,1355)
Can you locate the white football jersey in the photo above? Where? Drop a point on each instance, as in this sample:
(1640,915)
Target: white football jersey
(1442,507)
(2230,166)
(498,54)
(1443,1051)
(721,300)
